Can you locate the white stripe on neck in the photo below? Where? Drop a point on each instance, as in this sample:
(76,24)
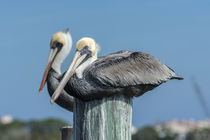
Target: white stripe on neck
(57,66)
(82,67)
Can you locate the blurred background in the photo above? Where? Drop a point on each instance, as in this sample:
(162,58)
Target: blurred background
(175,32)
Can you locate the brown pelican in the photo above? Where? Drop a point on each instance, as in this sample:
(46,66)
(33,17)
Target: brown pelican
(60,47)
(123,72)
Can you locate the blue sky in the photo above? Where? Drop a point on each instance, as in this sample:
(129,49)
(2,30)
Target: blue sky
(175,32)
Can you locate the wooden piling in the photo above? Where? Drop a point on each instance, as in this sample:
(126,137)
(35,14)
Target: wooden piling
(107,119)
(67,133)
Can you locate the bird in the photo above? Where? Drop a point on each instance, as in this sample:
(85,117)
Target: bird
(90,77)
(60,46)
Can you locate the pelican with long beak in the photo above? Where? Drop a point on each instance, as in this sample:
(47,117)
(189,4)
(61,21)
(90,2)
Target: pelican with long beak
(60,47)
(123,72)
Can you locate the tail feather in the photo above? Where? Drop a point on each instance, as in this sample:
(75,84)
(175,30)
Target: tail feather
(178,78)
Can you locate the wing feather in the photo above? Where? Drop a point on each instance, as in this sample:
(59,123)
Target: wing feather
(127,68)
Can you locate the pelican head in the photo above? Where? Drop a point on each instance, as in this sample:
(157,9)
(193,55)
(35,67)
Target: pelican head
(87,44)
(86,53)
(60,46)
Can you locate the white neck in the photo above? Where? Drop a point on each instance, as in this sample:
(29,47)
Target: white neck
(82,67)
(79,71)
(62,54)
(60,57)
(56,65)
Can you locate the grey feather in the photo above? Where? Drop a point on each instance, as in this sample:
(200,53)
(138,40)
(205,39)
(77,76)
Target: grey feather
(124,72)
(65,100)
(126,68)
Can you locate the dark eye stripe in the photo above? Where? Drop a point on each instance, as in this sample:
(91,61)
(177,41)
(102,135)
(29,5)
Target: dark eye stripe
(57,44)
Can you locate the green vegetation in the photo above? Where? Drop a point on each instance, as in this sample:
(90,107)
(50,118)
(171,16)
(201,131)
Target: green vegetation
(146,133)
(50,130)
(149,133)
(32,130)
(199,134)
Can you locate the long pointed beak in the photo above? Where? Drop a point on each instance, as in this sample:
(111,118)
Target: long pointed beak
(78,58)
(51,57)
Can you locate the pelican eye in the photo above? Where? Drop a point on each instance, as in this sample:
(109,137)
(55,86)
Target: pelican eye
(57,45)
(85,50)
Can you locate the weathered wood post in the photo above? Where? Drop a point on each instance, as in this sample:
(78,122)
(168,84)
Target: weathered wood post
(67,133)
(107,119)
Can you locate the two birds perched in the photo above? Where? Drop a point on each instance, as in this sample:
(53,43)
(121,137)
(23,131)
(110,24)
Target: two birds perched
(90,77)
